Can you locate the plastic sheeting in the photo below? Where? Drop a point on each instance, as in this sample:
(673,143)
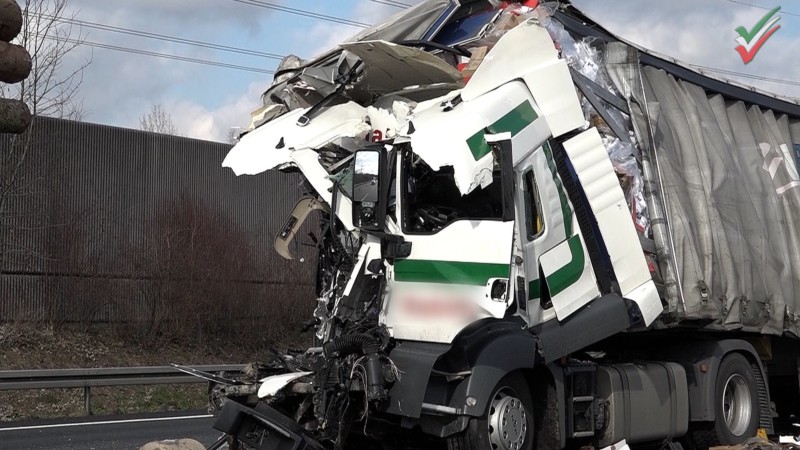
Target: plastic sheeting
(724,173)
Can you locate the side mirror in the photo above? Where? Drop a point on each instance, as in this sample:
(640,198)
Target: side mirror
(369,199)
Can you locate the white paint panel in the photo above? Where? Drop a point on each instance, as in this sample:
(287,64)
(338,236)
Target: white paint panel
(579,293)
(646,296)
(527,52)
(470,241)
(556,96)
(607,201)
(432,312)
(530,139)
(524,49)
(480,241)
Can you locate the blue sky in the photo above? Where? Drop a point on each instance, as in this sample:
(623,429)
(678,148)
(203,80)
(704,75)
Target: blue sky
(206,101)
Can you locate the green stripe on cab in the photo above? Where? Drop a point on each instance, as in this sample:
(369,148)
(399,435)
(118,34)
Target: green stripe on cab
(448,272)
(515,121)
(512,122)
(571,272)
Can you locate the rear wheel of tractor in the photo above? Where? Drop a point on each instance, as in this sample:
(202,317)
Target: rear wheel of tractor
(737,411)
(507,423)
(736,407)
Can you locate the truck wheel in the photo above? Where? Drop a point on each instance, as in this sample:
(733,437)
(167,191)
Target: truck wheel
(507,423)
(737,409)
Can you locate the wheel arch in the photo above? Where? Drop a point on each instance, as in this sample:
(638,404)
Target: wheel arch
(491,354)
(505,348)
(702,376)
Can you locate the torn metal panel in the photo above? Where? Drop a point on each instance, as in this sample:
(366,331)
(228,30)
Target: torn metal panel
(270,145)
(264,114)
(527,52)
(388,121)
(448,133)
(391,67)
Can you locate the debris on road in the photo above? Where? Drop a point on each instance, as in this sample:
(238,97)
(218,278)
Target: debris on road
(174,444)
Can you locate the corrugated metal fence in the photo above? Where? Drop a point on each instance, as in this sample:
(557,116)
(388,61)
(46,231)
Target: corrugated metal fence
(103,224)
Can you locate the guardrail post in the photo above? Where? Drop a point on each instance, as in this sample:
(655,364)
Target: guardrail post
(87,400)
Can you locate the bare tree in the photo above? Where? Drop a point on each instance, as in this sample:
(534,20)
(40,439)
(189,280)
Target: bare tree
(50,37)
(158,121)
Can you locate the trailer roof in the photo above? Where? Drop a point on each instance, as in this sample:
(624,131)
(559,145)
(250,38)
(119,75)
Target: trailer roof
(578,23)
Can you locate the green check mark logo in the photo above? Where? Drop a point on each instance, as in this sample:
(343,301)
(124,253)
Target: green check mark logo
(750,41)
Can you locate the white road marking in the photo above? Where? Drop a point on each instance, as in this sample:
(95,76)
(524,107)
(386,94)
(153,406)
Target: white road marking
(108,422)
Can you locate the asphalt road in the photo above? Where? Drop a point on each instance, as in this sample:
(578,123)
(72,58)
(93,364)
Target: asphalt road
(108,432)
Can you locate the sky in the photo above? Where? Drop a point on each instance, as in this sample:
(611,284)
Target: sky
(205,101)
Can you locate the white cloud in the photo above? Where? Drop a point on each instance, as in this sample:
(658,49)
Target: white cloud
(205,101)
(195,120)
(119,87)
(324,36)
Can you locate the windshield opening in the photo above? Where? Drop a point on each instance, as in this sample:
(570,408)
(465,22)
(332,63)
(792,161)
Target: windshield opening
(431,199)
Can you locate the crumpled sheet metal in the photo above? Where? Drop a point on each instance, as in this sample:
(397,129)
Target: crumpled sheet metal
(441,139)
(391,67)
(732,203)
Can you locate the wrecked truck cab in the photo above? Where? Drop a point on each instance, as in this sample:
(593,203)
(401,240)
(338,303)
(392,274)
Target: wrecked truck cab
(420,230)
(444,257)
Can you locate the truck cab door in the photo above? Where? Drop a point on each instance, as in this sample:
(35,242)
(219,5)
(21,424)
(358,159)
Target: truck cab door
(558,272)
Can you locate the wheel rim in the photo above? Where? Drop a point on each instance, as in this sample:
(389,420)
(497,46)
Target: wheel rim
(508,421)
(737,404)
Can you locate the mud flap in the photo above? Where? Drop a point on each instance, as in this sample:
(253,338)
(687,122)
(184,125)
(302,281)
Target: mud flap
(263,428)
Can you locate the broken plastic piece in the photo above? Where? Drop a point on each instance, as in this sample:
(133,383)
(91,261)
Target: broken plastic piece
(302,209)
(271,385)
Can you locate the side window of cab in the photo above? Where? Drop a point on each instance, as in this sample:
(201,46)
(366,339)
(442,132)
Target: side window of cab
(533,207)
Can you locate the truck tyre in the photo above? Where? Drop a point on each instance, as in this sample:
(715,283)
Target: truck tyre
(507,423)
(736,401)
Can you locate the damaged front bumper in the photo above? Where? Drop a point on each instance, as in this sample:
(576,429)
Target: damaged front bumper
(263,428)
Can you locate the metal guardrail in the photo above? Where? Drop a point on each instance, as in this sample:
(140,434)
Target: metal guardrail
(107,376)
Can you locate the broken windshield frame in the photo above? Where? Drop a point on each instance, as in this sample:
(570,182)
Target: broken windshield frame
(432,201)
